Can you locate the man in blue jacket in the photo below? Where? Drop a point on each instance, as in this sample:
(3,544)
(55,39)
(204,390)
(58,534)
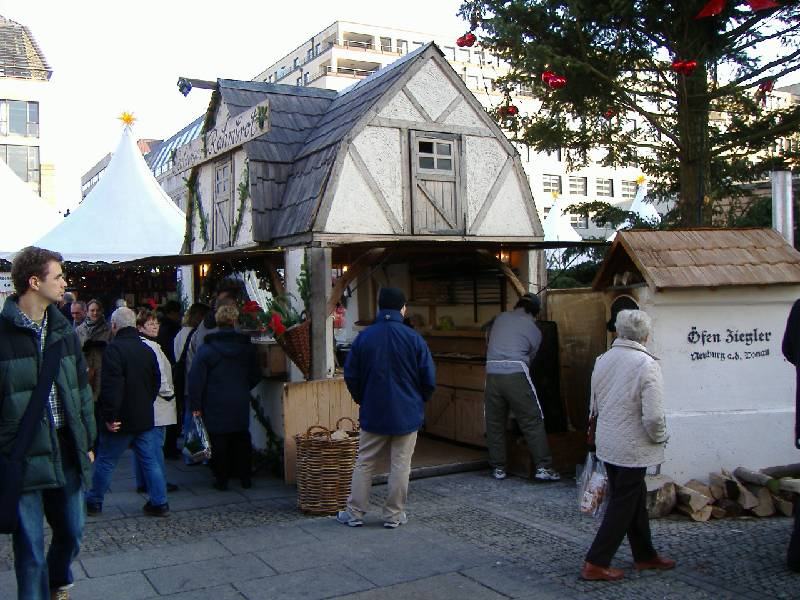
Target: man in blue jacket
(390,374)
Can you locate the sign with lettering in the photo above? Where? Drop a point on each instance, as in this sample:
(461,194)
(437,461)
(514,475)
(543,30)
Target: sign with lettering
(728,344)
(237,130)
(6,286)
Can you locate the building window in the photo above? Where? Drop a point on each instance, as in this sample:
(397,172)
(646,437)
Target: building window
(464,54)
(305,78)
(480,57)
(577,186)
(386,44)
(472,82)
(269,79)
(555,155)
(629,190)
(579,221)
(551,183)
(449,52)
(317,49)
(24,161)
(435,155)
(605,187)
(418,44)
(222,182)
(19,117)
(402,46)
(309,54)
(296,62)
(299,81)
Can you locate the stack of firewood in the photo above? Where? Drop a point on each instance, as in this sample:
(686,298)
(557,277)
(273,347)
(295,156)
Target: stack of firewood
(744,492)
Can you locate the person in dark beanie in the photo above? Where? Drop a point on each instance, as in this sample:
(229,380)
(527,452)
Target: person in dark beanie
(513,343)
(791,350)
(57,461)
(390,375)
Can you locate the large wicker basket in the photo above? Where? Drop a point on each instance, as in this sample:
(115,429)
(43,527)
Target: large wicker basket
(296,342)
(325,468)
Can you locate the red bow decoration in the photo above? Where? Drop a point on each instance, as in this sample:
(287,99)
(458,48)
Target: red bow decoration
(686,67)
(713,7)
(275,324)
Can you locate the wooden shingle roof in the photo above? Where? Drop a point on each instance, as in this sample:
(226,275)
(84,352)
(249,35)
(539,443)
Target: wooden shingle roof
(692,258)
(20,55)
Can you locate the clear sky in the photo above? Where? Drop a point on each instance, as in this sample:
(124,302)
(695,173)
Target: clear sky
(112,56)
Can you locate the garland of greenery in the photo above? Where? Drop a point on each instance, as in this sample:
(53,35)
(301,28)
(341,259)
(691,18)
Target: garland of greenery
(272,455)
(193,204)
(244,194)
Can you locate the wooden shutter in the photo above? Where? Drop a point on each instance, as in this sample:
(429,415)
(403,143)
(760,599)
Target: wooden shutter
(223,204)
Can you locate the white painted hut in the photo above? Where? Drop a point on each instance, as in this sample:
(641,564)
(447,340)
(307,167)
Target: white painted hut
(719,300)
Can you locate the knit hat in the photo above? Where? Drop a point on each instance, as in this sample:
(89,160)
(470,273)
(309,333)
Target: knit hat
(620,303)
(391,299)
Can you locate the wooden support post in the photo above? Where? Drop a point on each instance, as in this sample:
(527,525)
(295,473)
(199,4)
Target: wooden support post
(319,274)
(293,261)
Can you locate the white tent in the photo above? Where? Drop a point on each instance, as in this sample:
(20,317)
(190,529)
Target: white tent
(643,209)
(26,217)
(126,215)
(557,228)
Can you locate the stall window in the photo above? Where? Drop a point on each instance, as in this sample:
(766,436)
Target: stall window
(435,155)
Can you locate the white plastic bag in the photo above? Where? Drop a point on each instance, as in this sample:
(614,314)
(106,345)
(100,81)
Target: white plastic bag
(593,487)
(197,447)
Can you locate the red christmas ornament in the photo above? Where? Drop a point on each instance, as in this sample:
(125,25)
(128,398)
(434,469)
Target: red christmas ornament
(470,39)
(512,110)
(461,42)
(685,67)
(609,114)
(557,82)
(546,75)
(713,7)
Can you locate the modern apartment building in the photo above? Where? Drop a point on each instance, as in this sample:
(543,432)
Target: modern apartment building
(25,135)
(345,52)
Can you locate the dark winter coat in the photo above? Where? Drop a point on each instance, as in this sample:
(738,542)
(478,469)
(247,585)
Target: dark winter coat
(19,368)
(791,350)
(390,374)
(130,383)
(223,372)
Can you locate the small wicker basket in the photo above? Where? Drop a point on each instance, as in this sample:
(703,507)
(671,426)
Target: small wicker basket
(325,468)
(296,342)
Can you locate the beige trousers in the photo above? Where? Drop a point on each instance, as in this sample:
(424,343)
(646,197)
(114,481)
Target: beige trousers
(370,448)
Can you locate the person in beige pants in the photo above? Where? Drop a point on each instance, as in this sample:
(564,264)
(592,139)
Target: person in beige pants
(390,375)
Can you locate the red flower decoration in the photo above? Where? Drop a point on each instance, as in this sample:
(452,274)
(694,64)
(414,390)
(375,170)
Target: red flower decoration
(275,324)
(251,306)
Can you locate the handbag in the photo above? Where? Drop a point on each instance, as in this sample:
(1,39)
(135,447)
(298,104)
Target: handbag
(12,465)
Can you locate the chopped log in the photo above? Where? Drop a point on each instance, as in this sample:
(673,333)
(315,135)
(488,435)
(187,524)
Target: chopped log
(688,497)
(661,497)
(765,507)
(741,494)
(702,515)
(699,487)
(756,478)
(731,507)
(792,470)
(789,484)
(717,512)
(717,485)
(784,506)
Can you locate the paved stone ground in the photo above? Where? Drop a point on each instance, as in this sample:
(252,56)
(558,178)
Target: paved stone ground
(469,538)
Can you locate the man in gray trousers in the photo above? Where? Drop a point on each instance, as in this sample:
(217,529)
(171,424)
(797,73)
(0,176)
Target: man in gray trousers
(513,343)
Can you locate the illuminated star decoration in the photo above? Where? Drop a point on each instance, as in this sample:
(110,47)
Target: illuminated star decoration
(554,194)
(127,118)
(640,179)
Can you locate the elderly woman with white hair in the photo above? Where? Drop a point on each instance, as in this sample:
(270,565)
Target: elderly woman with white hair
(627,397)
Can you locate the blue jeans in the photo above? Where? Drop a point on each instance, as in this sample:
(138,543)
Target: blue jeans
(111,447)
(158,452)
(63,508)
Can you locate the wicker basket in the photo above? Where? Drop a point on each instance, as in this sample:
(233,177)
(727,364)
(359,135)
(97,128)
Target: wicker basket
(325,468)
(296,342)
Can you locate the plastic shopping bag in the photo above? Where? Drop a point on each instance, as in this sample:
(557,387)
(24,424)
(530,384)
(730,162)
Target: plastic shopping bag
(197,448)
(593,487)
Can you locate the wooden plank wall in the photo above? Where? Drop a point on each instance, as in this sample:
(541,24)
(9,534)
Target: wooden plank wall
(307,403)
(581,318)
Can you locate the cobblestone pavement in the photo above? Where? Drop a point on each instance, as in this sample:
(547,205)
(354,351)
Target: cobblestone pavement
(469,537)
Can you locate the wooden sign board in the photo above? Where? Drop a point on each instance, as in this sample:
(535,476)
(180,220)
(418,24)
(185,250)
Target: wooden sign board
(237,130)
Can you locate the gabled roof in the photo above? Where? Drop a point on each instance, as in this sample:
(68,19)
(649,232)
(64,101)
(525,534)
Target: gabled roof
(692,258)
(20,55)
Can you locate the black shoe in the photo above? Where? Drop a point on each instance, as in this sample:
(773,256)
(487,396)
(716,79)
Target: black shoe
(156,511)
(171,487)
(220,485)
(172,455)
(141,489)
(94,509)
(247,483)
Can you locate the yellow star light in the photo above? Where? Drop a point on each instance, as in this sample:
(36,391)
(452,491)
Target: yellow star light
(554,194)
(640,179)
(127,118)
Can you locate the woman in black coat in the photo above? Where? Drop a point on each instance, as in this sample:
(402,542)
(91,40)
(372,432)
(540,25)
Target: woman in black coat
(223,372)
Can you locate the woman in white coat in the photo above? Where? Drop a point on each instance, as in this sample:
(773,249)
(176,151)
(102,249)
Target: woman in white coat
(627,397)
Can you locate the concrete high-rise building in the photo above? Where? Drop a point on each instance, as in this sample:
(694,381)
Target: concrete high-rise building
(25,116)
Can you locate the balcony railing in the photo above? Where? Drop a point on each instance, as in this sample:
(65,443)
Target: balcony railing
(358,45)
(349,71)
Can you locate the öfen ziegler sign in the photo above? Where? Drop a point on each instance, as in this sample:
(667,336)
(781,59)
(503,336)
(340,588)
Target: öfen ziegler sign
(729,344)
(234,132)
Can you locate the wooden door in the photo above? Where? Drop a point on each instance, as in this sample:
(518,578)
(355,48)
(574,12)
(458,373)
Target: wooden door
(437,207)
(223,204)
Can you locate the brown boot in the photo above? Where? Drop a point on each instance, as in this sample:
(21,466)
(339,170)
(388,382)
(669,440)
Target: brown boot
(592,572)
(657,562)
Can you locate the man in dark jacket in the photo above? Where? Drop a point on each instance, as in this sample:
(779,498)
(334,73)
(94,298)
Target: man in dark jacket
(390,374)
(58,461)
(130,383)
(791,351)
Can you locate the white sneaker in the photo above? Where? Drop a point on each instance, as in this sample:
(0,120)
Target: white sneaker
(395,523)
(345,518)
(499,473)
(545,474)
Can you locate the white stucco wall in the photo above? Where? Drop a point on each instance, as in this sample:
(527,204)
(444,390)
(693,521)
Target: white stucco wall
(432,89)
(729,393)
(485,158)
(379,147)
(400,107)
(354,208)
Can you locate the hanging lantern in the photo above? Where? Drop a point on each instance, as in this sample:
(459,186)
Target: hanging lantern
(470,39)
